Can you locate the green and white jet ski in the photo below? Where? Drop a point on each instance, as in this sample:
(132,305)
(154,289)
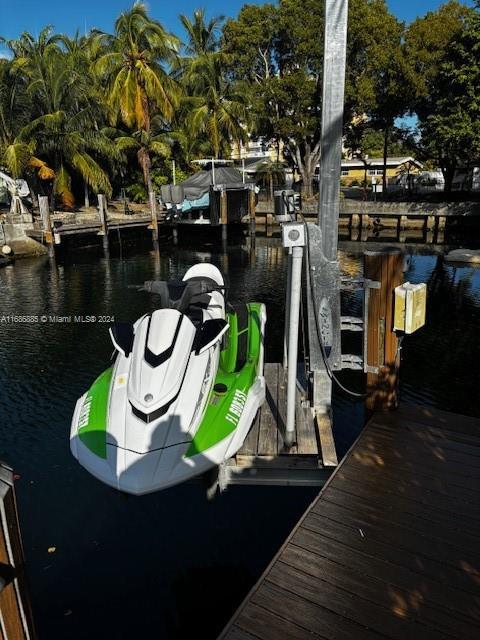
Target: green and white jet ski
(182,394)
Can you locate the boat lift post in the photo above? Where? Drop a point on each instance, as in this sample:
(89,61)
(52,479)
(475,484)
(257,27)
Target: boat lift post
(323,273)
(294,240)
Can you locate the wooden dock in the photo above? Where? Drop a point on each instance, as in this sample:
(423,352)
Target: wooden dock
(390,548)
(264,459)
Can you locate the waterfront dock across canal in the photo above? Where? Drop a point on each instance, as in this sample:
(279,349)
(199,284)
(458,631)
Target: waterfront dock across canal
(389,548)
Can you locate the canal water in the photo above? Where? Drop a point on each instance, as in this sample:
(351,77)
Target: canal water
(172,565)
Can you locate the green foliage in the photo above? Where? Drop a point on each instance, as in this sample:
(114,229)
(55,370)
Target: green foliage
(445,50)
(112,110)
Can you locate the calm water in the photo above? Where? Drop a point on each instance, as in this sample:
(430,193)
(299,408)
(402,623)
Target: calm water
(171,565)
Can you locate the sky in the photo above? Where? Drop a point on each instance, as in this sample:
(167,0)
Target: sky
(69,15)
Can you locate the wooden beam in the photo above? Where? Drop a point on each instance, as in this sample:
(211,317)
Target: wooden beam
(323,424)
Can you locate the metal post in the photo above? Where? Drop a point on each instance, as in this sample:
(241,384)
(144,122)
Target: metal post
(295,291)
(335,48)
(287,311)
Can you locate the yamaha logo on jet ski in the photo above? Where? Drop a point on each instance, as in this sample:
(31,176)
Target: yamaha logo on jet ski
(191,384)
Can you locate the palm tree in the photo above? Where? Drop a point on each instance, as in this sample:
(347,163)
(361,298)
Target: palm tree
(203,37)
(271,173)
(139,83)
(62,129)
(145,144)
(16,155)
(216,107)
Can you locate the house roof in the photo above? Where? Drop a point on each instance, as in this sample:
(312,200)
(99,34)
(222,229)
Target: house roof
(392,161)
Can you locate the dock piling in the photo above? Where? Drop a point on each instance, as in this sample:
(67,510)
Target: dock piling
(47,224)
(103,215)
(382,357)
(153,212)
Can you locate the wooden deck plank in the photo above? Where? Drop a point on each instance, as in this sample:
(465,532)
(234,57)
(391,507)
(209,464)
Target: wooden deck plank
(427,481)
(439,419)
(264,624)
(279,594)
(385,594)
(397,576)
(390,546)
(306,432)
(250,445)
(323,423)
(422,437)
(419,523)
(282,415)
(267,437)
(369,616)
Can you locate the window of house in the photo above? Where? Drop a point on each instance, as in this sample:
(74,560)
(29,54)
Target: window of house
(345,172)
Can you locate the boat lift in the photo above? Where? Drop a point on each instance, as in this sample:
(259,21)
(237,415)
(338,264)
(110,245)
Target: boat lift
(291,442)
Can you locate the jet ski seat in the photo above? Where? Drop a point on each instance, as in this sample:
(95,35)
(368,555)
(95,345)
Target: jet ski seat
(189,297)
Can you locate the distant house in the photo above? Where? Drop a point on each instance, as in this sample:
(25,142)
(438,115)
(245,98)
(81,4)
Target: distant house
(251,156)
(355,170)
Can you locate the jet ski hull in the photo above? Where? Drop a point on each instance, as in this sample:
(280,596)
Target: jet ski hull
(227,414)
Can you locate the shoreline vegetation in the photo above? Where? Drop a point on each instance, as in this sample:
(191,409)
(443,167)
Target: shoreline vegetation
(109,112)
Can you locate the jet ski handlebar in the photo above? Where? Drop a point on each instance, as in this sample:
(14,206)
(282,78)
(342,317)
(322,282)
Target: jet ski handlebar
(157,286)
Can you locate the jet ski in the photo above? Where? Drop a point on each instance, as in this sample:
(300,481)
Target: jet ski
(182,392)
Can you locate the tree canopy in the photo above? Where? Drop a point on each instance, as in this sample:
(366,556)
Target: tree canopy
(101,111)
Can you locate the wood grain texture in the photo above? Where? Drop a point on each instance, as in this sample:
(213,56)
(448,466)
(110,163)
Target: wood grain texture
(391,546)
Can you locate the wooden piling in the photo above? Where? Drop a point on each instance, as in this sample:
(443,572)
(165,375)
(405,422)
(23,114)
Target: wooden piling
(223,208)
(103,215)
(153,212)
(252,212)
(382,357)
(46,224)
(16,620)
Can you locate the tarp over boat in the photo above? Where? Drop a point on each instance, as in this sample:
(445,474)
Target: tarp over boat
(199,183)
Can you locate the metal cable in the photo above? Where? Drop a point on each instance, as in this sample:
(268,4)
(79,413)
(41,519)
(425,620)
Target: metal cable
(329,370)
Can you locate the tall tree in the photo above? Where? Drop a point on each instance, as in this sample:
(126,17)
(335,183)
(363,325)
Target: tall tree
(279,50)
(451,132)
(443,50)
(61,128)
(202,36)
(136,68)
(214,108)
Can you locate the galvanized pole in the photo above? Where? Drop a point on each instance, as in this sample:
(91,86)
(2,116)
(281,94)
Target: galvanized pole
(287,311)
(335,49)
(293,325)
